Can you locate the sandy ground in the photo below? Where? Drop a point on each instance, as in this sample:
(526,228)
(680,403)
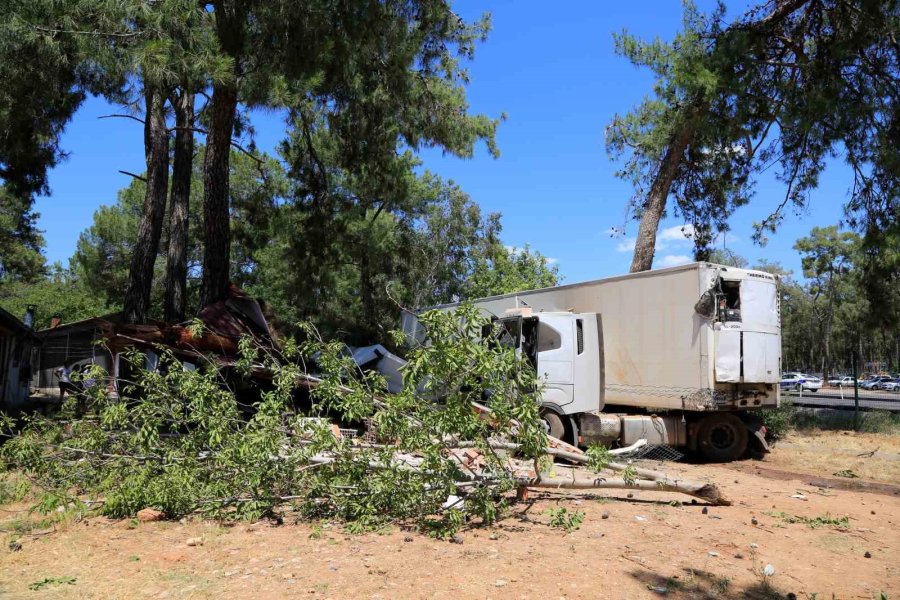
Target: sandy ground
(648,546)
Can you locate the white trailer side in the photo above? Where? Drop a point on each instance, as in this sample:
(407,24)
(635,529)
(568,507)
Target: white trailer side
(659,353)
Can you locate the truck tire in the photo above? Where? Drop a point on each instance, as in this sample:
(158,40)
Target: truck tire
(722,437)
(554,424)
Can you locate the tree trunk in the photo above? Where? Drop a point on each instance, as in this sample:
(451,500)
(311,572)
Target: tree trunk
(230,21)
(146,248)
(179,208)
(216,226)
(645,244)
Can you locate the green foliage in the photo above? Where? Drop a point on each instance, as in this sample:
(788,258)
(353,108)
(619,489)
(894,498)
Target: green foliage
(825,520)
(178,440)
(599,456)
(629,475)
(503,270)
(787,85)
(60,292)
(20,240)
(50,581)
(561,518)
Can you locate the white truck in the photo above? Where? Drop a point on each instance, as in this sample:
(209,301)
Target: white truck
(679,356)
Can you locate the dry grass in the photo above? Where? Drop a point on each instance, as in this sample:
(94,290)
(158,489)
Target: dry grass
(830,452)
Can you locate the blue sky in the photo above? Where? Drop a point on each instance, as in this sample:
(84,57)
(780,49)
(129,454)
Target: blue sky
(551,68)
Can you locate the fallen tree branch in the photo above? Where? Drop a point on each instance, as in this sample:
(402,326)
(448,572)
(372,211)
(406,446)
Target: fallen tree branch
(704,491)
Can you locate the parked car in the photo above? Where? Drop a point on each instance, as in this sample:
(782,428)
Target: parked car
(844,381)
(799,381)
(873,383)
(891,386)
(811,383)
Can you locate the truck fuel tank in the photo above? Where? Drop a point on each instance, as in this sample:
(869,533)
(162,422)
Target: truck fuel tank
(627,429)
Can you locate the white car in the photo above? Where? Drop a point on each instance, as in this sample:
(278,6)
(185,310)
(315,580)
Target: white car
(811,382)
(799,381)
(891,386)
(874,383)
(841,382)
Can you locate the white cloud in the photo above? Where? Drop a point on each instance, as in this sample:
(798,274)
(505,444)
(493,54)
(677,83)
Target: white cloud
(552,261)
(725,238)
(626,245)
(676,234)
(673,260)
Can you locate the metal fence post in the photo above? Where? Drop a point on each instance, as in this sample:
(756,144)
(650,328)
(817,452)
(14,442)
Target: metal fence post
(855,394)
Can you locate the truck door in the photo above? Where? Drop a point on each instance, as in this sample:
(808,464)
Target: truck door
(747,332)
(555,350)
(761,335)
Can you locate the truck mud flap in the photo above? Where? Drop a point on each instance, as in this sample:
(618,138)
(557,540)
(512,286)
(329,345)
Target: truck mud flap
(759,435)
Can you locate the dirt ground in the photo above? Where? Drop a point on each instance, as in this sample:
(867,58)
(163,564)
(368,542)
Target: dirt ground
(630,545)
(852,455)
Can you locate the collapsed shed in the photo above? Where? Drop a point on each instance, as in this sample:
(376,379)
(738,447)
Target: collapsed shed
(102,340)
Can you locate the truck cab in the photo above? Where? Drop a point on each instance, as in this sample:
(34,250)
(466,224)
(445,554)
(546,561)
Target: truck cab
(566,351)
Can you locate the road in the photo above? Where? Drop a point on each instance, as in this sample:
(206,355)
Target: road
(829,396)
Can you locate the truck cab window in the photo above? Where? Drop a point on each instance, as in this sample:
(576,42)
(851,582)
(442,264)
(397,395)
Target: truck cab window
(548,338)
(729,301)
(510,330)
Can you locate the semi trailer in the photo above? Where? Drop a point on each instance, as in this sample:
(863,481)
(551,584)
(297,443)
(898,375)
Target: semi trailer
(682,356)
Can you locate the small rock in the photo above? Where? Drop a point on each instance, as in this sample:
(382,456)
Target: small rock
(15,546)
(640,518)
(754,521)
(287,576)
(868,554)
(145,515)
(713,553)
(494,536)
(791,596)
(873,512)
(754,546)
(605,514)
(738,555)
(457,539)
(693,501)
(408,538)
(630,495)
(194,541)
(768,570)
(705,510)
(500,582)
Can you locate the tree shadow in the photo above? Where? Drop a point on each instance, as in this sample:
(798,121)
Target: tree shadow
(697,583)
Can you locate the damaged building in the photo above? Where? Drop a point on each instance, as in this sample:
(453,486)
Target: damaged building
(102,341)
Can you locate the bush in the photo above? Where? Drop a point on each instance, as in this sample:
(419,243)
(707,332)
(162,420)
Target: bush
(778,421)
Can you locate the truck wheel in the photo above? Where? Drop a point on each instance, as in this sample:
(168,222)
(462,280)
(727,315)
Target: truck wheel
(554,424)
(722,437)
